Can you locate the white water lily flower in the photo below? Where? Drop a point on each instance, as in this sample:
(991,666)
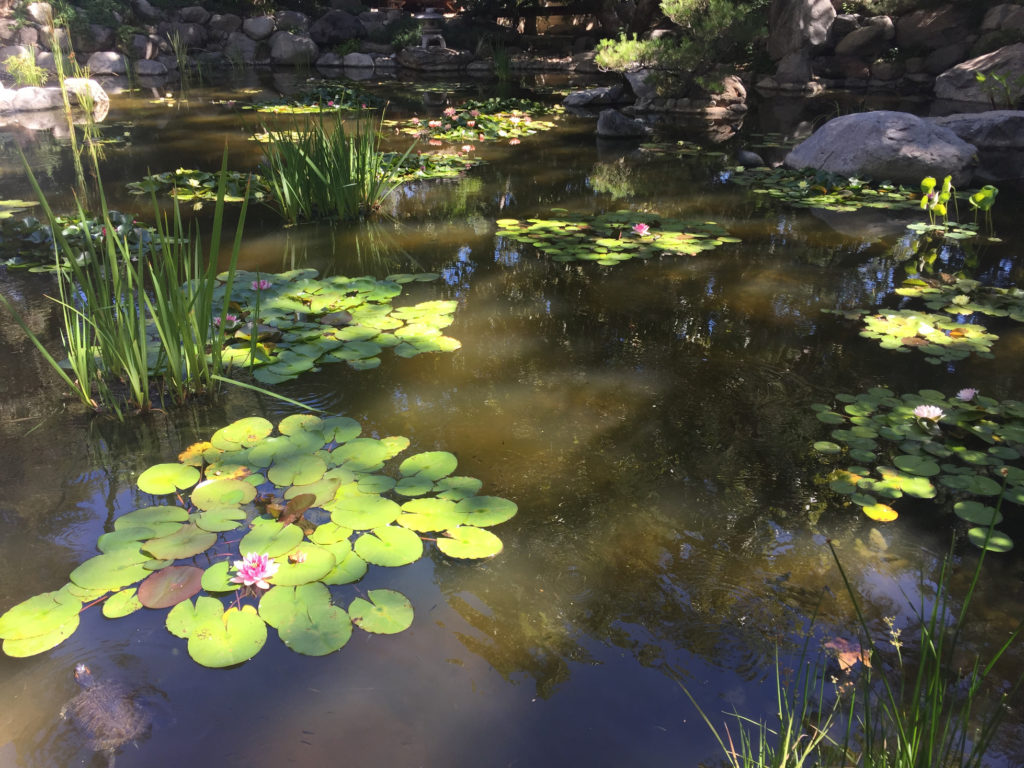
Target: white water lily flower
(931,412)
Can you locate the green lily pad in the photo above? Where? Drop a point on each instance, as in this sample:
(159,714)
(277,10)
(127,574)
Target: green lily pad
(132,537)
(217,578)
(484,511)
(349,569)
(170,586)
(222,492)
(297,470)
(270,537)
(40,615)
(468,542)
(161,479)
(220,520)
(30,646)
(112,571)
(151,516)
(997,542)
(414,486)
(305,619)
(330,533)
(363,512)
(917,465)
(218,638)
(121,604)
(425,515)
(457,488)
(389,546)
(977,513)
(362,454)
(386,612)
(322,490)
(187,541)
(306,563)
(432,465)
(243,433)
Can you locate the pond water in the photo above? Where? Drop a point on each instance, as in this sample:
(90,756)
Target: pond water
(651,420)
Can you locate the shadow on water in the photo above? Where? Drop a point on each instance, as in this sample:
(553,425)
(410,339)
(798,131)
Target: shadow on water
(651,420)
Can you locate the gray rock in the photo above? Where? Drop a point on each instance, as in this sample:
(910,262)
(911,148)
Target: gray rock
(194,14)
(433,59)
(882,145)
(886,70)
(291,50)
(144,47)
(40,13)
(32,99)
(259,27)
(595,97)
(107,63)
(241,47)
(358,60)
(7,51)
(336,27)
(749,159)
(94,37)
(612,124)
(28,36)
(931,28)
(149,68)
(941,59)
(192,36)
(330,60)
(798,24)
(844,24)
(960,83)
(225,23)
(292,21)
(794,67)
(869,40)
(640,81)
(145,11)
(999,137)
(87,92)
(481,68)
(1003,17)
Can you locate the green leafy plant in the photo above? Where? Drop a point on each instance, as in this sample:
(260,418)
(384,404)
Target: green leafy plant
(321,173)
(135,329)
(612,238)
(305,512)
(191,184)
(982,201)
(1002,91)
(962,451)
(23,68)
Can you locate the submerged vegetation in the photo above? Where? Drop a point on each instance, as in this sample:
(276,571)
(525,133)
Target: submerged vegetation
(314,507)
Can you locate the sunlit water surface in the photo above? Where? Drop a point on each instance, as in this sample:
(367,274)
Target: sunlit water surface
(651,421)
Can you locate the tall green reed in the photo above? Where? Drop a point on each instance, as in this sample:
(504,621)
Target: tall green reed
(321,173)
(139,325)
(918,710)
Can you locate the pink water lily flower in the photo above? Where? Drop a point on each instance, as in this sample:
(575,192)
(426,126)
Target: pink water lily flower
(449,112)
(230,319)
(967,394)
(641,229)
(470,123)
(261,285)
(254,569)
(468,147)
(415,121)
(475,112)
(434,123)
(930,412)
(513,142)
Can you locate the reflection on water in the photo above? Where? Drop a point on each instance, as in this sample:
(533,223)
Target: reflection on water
(651,420)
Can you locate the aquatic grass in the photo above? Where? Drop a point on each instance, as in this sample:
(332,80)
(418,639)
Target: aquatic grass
(133,327)
(924,711)
(320,173)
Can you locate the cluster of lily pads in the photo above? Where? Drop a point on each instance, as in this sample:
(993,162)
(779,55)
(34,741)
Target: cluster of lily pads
(274,524)
(827,191)
(284,324)
(964,450)
(27,243)
(611,238)
(192,184)
(9,208)
(322,97)
(491,120)
(679,149)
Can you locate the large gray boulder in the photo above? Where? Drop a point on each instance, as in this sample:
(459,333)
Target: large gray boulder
(1005,17)
(797,24)
(241,47)
(999,137)
(602,96)
(32,99)
(433,59)
(194,14)
(336,27)
(961,84)
(931,28)
(292,21)
(290,50)
(107,63)
(259,27)
(869,40)
(896,146)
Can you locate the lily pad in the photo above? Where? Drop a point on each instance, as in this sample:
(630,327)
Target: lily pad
(432,465)
(218,638)
(187,541)
(977,513)
(996,542)
(386,612)
(222,492)
(306,563)
(148,516)
(363,512)
(484,511)
(112,571)
(468,542)
(270,537)
(389,546)
(40,615)
(217,578)
(120,604)
(162,479)
(349,569)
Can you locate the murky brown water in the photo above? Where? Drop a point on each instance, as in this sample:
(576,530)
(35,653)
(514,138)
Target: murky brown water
(651,421)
